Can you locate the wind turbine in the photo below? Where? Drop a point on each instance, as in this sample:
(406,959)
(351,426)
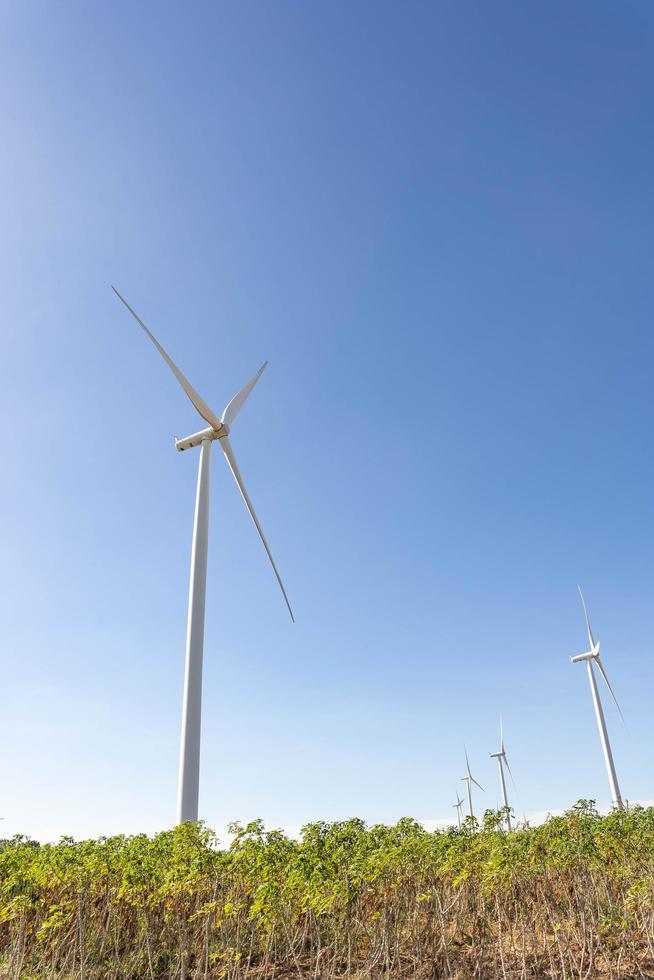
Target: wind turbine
(458,805)
(503,761)
(219,428)
(592,657)
(469,779)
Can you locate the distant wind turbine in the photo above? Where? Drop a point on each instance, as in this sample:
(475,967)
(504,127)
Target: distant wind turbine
(469,779)
(458,805)
(189,762)
(503,761)
(592,657)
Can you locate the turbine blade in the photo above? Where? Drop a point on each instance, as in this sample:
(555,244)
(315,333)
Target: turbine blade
(196,399)
(467,762)
(603,673)
(501,735)
(506,761)
(229,455)
(590,632)
(238,401)
(478,784)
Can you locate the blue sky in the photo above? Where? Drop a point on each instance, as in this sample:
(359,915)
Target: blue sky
(435,221)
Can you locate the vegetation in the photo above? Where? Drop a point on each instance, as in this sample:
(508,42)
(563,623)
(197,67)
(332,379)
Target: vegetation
(571,898)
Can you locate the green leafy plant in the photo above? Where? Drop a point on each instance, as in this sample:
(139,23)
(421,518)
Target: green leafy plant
(570,898)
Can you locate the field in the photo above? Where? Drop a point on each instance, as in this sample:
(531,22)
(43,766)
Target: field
(571,898)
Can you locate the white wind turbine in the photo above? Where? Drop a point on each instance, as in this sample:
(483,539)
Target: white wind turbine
(458,805)
(592,657)
(503,761)
(189,760)
(469,779)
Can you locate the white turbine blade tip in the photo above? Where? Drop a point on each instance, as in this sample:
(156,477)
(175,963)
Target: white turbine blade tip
(231,461)
(239,399)
(194,397)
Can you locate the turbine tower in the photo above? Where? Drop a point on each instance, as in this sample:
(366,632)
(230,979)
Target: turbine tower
(469,779)
(189,759)
(503,761)
(458,805)
(592,657)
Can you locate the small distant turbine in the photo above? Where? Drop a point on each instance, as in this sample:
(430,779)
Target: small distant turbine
(469,779)
(458,805)
(592,657)
(503,761)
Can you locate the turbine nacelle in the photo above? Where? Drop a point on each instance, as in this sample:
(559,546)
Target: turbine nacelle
(589,655)
(190,442)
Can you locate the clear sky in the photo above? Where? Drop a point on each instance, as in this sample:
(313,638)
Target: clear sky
(435,220)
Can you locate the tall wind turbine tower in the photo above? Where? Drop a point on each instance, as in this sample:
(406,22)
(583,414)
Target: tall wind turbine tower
(218,431)
(503,761)
(592,657)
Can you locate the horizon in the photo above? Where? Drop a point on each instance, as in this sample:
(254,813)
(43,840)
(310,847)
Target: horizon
(224,835)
